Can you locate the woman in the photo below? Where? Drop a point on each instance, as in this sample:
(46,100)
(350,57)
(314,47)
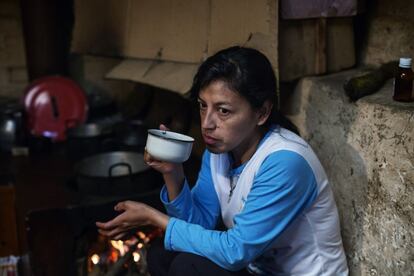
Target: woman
(262,181)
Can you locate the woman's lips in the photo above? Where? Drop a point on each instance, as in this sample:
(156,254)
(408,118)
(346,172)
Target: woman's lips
(209,140)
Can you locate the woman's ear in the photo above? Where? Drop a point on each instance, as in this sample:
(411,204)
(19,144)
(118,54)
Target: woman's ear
(264,112)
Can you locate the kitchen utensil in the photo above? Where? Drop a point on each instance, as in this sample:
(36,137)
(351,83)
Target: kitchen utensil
(116,173)
(131,135)
(11,125)
(89,139)
(53,104)
(169,146)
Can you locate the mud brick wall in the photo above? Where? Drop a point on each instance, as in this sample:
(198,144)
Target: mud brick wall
(13,73)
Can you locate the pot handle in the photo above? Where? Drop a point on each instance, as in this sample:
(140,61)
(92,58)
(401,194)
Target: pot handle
(55,108)
(120,164)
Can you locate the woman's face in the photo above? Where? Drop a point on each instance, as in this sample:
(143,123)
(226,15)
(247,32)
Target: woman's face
(228,122)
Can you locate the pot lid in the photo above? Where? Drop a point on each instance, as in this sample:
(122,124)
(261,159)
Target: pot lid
(53,104)
(10,105)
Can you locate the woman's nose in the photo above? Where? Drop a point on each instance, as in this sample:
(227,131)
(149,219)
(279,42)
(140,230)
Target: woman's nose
(207,121)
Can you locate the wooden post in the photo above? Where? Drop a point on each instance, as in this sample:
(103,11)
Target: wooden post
(320,45)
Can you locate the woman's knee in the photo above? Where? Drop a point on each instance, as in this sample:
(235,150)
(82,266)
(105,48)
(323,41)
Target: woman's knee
(159,259)
(184,264)
(191,264)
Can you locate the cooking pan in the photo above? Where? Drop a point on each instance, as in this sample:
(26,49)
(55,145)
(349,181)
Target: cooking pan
(116,173)
(88,131)
(89,139)
(11,125)
(131,136)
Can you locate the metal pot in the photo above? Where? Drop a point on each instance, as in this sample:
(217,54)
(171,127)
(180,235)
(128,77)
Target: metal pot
(88,131)
(89,139)
(11,125)
(131,136)
(116,173)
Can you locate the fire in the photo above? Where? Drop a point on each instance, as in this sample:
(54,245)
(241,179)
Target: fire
(136,256)
(119,245)
(141,235)
(95,259)
(108,252)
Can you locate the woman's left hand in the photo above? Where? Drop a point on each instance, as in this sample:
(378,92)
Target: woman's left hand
(134,214)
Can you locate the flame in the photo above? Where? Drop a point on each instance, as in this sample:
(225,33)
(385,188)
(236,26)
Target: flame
(95,259)
(141,235)
(113,256)
(136,256)
(116,249)
(118,245)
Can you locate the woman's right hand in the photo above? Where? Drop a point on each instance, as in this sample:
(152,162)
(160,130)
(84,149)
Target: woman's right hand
(163,167)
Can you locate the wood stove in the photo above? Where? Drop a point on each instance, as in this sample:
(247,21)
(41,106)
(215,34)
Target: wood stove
(65,241)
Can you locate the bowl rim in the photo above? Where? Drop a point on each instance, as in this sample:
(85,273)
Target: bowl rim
(160,133)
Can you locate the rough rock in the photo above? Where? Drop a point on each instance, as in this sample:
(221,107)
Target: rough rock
(367,150)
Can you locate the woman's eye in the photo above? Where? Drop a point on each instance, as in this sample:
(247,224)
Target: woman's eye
(202,106)
(224,111)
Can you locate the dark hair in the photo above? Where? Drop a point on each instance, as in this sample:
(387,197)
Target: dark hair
(247,72)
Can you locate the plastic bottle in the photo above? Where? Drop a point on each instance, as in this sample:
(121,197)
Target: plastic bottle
(403,83)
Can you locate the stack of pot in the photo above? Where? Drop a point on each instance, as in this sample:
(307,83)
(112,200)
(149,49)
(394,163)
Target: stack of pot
(12,131)
(109,159)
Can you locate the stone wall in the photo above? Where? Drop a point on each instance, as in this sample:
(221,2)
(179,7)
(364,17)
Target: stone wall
(390,31)
(13,73)
(367,150)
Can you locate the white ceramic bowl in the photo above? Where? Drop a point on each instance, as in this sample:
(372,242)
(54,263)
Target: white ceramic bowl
(169,146)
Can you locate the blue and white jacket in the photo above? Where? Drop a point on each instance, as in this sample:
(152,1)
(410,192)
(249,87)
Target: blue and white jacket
(281,217)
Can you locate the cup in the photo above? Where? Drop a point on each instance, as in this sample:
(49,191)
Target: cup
(169,146)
